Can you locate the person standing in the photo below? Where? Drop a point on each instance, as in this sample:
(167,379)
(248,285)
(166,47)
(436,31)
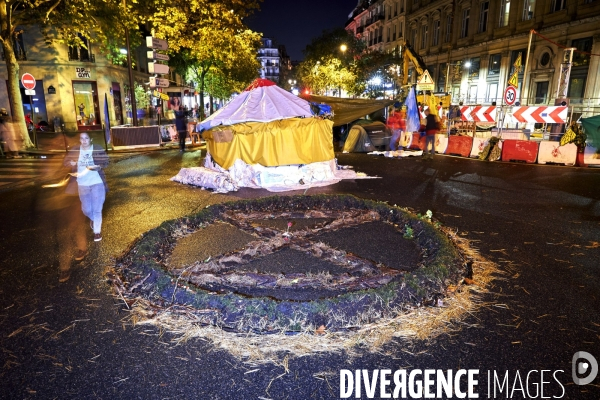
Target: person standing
(181,127)
(87,163)
(432,127)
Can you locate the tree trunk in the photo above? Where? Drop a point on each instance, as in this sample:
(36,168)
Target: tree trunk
(12,67)
(202,75)
(210,98)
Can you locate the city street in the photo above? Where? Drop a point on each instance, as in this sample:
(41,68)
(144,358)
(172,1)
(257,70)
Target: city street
(75,340)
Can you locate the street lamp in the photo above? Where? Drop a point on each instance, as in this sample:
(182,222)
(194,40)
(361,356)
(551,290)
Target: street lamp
(343,48)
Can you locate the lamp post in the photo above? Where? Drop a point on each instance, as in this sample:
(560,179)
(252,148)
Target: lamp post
(343,48)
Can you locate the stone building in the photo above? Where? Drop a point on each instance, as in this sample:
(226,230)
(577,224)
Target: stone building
(71,82)
(471,47)
(270,60)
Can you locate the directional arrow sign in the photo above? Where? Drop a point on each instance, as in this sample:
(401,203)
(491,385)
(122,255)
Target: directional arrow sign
(152,55)
(154,68)
(154,43)
(158,82)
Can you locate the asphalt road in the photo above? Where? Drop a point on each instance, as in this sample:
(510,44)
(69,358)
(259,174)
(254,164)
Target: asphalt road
(541,224)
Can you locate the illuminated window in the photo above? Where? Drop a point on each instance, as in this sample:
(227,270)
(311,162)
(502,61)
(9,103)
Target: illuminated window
(494,67)
(528,9)
(504,12)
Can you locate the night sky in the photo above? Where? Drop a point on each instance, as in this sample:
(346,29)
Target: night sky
(294,23)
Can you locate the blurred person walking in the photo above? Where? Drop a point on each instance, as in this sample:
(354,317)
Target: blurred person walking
(9,136)
(396,122)
(87,162)
(432,127)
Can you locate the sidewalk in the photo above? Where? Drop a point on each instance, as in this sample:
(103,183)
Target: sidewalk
(49,143)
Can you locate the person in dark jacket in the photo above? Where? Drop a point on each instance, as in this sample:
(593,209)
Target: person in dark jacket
(87,163)
(181,127)
(432,127)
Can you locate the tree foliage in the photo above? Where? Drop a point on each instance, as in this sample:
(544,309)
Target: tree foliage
(209,37)
(327,66)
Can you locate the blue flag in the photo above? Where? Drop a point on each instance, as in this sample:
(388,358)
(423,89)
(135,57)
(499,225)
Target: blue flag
(106,120)
(413,118)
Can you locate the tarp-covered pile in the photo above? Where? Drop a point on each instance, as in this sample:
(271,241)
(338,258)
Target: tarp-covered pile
(266,138)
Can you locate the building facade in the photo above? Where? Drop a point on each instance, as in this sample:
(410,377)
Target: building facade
(472,47)
(270,60)
(72,83)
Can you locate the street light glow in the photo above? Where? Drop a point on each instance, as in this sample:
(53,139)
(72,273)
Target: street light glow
(123,51)
(343,48)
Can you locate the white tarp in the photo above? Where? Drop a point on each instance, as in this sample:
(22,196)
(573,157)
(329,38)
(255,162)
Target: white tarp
(263,104)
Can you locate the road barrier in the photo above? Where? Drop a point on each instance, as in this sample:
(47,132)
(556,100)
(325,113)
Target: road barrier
(554,153)
(519,150)
(459,145)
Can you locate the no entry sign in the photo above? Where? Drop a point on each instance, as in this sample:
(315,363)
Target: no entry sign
(28,81)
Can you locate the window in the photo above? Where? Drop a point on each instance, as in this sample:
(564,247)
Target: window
(541,92)
(400,30)
(81,53)
(424,37)
(395,8)
(504,12)
(436,32)
(545,59)
(583,46)
(414,36)
(448,35)
(494,67)
(441,81)
(389,34)
(558,5)
(464,30)
(85,96)
(402,5)
(474,68)
(394,36)
(492,93)
(483,16)
(576,89)
(18,47)
(528,8)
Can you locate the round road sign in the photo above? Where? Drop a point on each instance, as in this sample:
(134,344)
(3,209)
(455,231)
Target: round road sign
(510,95)
(28,81)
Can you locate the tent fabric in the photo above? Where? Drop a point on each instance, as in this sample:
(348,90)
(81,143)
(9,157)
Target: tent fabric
(358,141)
(259,82)
(348,110)
(262,104)
(592,130)
(281,142)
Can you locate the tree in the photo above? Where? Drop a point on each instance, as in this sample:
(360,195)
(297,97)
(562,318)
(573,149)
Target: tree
(326,65)
(62,22)
(206,35)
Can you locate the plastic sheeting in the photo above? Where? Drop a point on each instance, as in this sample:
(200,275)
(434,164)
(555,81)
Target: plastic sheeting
(262,104)
(348,110)
(285,142)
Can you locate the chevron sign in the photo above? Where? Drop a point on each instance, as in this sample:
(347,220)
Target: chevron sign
(478,113)
(541,114)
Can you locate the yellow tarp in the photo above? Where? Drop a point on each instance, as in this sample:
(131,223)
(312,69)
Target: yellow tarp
(284,142)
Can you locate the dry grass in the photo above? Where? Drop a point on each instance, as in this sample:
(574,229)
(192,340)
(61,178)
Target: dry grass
(414,323)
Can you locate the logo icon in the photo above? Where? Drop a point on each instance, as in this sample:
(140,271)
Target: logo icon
(581,367)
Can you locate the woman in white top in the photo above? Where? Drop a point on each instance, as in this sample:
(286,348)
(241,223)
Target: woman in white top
(87,163)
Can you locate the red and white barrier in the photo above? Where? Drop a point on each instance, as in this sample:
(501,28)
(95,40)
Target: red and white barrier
(441,143)
(520,150)
(590,156)
(459,145)
(478,113)
(479,144)
(540,114)
(553,152)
